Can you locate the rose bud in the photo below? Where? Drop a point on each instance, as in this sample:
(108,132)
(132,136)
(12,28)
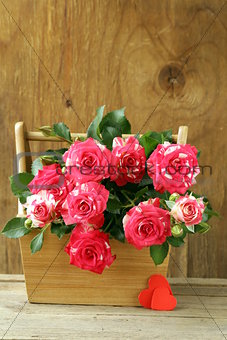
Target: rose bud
(177,230)
(28,223)
(174,197)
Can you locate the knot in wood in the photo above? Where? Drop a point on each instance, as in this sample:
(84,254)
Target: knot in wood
(68,103)
(171,79)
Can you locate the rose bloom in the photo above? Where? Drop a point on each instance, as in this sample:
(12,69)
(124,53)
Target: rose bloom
(87,161)
(188,209)
(128,161)
(146,224)
(173,167)
(47,178)
(53,180)
(89,250)
(41,208)
(86,203)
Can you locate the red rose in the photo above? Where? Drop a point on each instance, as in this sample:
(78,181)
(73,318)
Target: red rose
(86,204)
(51,178)
(128,161)
(48,178)
(87,161)
(173,167)
(146,224)
(89,250)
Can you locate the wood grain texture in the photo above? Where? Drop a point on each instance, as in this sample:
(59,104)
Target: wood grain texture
(87,58)
(192,318)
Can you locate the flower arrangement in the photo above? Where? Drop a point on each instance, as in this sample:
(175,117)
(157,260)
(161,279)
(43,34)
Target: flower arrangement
(106,186)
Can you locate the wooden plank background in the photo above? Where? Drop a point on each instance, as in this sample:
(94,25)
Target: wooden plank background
(63,58)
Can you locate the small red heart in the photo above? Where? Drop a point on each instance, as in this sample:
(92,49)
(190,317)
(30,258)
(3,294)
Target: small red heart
(163,300)
(158,281)
(145,298)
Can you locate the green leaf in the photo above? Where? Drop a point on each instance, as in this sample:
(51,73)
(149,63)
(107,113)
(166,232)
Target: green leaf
(61,130)
(109,217)
(156,136)
(36,166)
(60,151)
(191,228)
(23,196)
(93,130)
(167,134)
(53,156)
(60,229)
(151,139)
(116,118)
(109,133)
(118,233)
(202,228)
(114,204)
(141,192)
(170,204)
(146,180)
(47,131)
(19,183)
(48,160)
(159,252)
(149,144)
(37,243)
(175,242)
(205,217)
(198,154)
(15,228)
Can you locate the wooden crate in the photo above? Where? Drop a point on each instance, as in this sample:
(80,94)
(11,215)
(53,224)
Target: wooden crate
(50,278)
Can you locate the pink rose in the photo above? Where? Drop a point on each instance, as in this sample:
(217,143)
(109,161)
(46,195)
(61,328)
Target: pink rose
(89,250)
(87,161)
(188,209)
(173,167)
(128,161)
(86,204)
(52,179)
(41,208)
(146,224)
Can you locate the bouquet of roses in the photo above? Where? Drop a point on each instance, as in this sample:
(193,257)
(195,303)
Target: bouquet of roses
(134,188)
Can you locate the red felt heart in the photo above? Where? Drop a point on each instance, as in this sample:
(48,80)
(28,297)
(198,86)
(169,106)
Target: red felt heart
(163,300)
(145,298)
(158,281)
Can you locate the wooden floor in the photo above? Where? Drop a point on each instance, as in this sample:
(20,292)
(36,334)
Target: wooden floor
(201,313)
